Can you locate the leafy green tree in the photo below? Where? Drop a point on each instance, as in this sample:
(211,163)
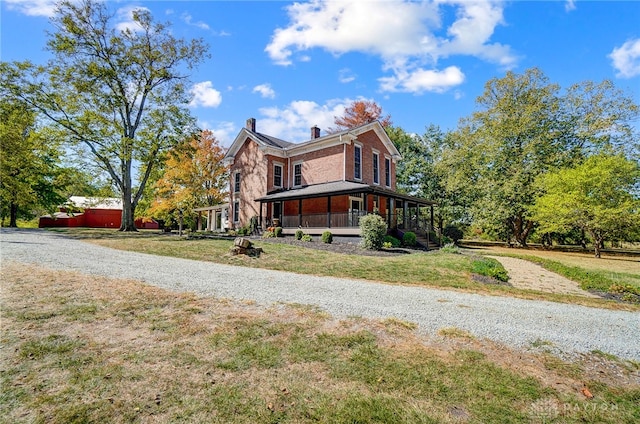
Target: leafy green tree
(599,117)
(29,169)
(510,141)
(422,172)
(599,196)
(120,94)
(526,127)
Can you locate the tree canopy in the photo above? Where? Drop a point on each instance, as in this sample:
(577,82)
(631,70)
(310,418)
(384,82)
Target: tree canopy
(526,126)
(194,176)
(30,171)
(600,196)
(118,95)
(360,112)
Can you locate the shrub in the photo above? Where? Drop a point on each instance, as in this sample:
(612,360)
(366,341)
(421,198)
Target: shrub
(299,234)
(450,248)
(268,234)
(490,267)
(327,237)
(409,239)
(373,228)
(277,232)
(391,241)
(453,232)
(306,237)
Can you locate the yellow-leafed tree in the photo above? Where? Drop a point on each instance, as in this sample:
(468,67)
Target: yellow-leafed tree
(194,177)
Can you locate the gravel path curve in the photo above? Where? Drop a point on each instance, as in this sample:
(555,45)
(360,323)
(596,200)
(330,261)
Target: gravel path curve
(514,322)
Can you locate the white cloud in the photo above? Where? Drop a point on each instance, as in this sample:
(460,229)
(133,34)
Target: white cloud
(626,59)
(421,80)
(125,17)
(188,19)
(570,5)
(205,95)
(33,7)
(294,121)
(225,132)
(470,33)
(346,75)
(408,36)
(265,91)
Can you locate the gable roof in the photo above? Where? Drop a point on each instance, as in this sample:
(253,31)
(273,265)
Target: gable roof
(281,148)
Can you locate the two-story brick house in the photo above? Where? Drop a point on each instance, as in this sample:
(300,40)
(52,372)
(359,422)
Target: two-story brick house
(325,183)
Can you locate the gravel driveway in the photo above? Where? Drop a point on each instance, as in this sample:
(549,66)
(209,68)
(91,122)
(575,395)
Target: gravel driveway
(514,322)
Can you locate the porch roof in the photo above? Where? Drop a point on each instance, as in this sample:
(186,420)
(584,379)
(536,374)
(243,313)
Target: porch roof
(337,188)
(212,208)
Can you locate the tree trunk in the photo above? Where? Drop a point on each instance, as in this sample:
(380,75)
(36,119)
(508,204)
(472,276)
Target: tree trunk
(597,243)
(521,229)
(13,215)
(128,212)
(128,206)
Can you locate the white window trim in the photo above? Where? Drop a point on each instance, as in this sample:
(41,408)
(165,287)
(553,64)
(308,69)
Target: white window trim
(388,158)
(376,154)
(281,165)
(293,176)
(354,160)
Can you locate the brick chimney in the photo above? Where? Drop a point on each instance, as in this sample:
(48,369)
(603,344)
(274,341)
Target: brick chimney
(315,132)
(251,124)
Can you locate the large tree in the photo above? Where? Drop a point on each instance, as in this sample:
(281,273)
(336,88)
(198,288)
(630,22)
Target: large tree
(423,173)
(526,127)
(118,93)
(599,196)
(360,112)
(194,176)
(29,167)
(506,144)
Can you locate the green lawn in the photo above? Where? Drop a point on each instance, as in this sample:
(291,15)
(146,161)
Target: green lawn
(431,269)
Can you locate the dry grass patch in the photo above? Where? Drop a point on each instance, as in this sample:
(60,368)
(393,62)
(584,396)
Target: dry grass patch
(78,348)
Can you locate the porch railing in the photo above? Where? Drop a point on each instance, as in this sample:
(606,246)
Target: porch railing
(409,222)
(321,220)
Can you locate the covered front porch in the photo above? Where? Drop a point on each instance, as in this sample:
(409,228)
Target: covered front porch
(213,218)
(338,207)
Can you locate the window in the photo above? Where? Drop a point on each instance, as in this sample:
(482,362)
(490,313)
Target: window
(357,162)
(387,172)
(236,184)
(236,211)
(376,170)
(277,175)
(297,174)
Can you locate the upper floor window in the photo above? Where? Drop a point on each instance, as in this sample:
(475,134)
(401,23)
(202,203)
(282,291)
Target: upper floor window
(277,175)
(357,162)
(376,169)
(387,172)
(297,174)
(236,182)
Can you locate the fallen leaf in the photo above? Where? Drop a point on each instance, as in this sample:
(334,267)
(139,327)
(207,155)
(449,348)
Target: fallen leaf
(586,393)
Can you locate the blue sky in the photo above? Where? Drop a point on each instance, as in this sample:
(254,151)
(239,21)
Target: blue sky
(295,65)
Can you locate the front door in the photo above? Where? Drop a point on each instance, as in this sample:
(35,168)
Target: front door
(277,214)
(355,206)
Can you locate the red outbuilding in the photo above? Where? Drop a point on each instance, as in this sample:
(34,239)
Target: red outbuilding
(92,212)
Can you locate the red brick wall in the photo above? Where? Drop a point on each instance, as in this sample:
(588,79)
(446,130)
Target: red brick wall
(320,166)
(369,142)
(252,164)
